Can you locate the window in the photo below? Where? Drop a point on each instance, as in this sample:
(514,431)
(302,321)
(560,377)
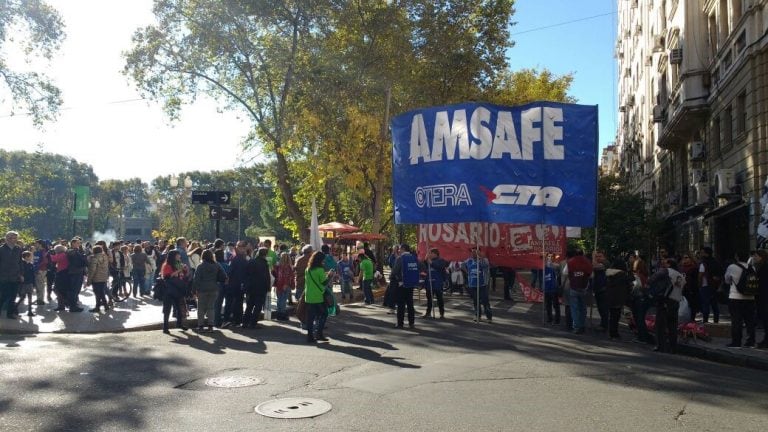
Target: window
(741,113)
(727,127)
(741,42)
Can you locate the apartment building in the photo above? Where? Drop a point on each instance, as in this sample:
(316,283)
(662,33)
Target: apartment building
(693,116)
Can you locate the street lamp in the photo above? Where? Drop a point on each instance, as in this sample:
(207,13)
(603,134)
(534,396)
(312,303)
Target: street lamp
(187,182)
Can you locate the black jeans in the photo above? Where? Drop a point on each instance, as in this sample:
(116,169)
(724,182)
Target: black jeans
(254,304)
(405,300)
(100,292)
(315,314)
(233,307)
(509,283)
(552,304)
(8,293)
(62,289)
(666,325)
(742,312)
(602,308)
(485,301)
(614,316)
(173,302)
(438,294)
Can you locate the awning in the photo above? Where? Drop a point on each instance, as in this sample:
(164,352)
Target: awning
(361,236)
(725,209)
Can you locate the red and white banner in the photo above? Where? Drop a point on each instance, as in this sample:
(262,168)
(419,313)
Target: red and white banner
(506,245)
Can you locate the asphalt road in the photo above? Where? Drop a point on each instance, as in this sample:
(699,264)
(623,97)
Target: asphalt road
(452,375)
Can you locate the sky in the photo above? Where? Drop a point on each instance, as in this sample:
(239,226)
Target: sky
(105,123)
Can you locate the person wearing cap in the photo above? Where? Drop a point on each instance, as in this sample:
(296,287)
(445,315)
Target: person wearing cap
(407,271)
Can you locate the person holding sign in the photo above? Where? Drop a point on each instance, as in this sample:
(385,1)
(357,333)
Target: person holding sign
(477,271)
(407,269)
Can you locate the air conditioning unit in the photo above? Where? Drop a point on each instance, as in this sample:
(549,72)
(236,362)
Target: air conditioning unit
(628,72)
(697,176)
(658,43)
(658,113)
(676,56)
(622,108)
(724,182)
(701,195)
(639,28)
(696,151)
(631,100)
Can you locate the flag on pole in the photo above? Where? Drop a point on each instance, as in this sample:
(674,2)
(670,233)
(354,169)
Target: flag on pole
(314,231)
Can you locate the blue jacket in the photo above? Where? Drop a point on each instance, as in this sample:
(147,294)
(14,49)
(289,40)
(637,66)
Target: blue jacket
(474,274)
(550,280)
(437,273)
(237,274)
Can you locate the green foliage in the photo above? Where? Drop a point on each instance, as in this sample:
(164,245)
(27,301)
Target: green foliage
(37,29)
(623,222)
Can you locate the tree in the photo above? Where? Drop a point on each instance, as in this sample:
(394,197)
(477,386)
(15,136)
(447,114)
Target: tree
(623,222)
(39,31)
(244,54)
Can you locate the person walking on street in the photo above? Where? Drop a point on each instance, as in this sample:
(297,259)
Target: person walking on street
(366,277)
(617,291)
(205,284)
(551,302)
(98,276)
(477,268)
(257,283)
(175,275)
(579,271)
(436,272)
(315,280)
(11,274)
(710,278)
(760,262)
(407,271)
(741,305)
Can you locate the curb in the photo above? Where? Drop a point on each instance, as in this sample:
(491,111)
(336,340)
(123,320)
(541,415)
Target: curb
(145,327)
(723,356)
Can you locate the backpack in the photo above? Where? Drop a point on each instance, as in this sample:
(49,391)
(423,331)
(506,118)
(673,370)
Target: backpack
(660,287)
(749,284)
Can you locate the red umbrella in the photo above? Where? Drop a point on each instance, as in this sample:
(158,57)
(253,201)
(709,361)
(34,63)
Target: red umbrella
(338,227)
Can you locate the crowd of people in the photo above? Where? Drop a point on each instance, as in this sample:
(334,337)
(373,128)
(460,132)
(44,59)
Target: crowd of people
(229,284)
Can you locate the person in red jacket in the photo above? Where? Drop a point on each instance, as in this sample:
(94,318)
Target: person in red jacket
(579,271)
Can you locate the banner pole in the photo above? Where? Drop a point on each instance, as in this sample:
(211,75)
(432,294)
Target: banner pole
(477,294)
(431,294)
(543,273)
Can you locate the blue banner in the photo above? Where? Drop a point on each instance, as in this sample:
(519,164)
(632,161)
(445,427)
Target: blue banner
(477,162)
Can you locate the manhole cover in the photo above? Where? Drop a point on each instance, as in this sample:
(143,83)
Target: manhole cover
(233,381)
(293,408)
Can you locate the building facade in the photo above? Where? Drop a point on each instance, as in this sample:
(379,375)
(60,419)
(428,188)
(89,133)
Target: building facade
(693,110)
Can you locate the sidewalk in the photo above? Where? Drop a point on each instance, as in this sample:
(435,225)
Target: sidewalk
(129,315)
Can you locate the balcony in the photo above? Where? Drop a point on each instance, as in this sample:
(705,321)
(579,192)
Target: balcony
(685,111)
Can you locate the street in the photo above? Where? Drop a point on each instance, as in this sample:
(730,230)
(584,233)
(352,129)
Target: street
(451,375)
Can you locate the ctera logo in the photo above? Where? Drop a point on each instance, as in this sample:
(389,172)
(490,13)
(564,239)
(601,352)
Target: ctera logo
(442,195)
(508,194)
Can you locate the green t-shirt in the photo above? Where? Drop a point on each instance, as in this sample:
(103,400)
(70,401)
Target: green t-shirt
(313,285)
(366,268)
(271,258)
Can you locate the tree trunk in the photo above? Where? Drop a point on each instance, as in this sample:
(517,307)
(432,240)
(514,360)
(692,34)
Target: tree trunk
(294,212)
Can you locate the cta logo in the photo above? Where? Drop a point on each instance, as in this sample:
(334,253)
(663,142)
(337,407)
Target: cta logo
(442,195)
(509,194)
